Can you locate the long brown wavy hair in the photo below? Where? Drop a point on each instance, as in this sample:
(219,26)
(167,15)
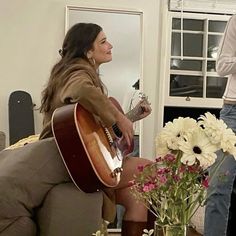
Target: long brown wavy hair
(78,41)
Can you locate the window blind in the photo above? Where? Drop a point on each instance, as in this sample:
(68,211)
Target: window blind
(206,6)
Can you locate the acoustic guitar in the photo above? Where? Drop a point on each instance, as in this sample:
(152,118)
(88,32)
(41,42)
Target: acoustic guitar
(92,153)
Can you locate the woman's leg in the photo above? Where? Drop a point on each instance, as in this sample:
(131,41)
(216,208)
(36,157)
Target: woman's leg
(135,216)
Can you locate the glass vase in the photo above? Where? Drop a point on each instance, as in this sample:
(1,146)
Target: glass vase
(170,230)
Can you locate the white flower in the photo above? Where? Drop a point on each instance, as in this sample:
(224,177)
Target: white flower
(197,146)
(218,133)
(173,132)
(98,233)
(148,232)
(212,127)
(232,151)
(161,146)
(228,142)
(103,230)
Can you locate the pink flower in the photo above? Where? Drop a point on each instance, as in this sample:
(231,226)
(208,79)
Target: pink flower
(205,182)
(131,183)
(170,157)
(176,178)
(140,168)
(193,169)
(182,168)
(162,179)
(158,159)
(161,171)
(148,187)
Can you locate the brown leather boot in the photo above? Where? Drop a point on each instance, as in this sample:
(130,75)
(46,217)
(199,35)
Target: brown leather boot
(150,220)
(132,228)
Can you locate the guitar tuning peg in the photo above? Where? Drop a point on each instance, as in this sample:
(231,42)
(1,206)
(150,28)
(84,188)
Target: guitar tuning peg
(143,96)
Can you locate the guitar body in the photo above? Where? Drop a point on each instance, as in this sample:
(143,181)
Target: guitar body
(92,161)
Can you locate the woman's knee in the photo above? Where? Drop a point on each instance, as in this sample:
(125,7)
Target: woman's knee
(130,168)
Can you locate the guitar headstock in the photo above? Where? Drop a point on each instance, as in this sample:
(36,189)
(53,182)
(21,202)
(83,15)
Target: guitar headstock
(143,97)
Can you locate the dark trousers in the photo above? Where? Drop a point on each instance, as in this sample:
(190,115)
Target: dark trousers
(231,229)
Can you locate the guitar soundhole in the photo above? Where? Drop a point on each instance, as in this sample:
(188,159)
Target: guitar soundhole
(116,171)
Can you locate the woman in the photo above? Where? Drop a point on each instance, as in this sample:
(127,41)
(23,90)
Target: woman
(75,79)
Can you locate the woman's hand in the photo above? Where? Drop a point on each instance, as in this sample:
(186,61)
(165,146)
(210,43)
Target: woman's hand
(126,127)
(140,111)
(145,109)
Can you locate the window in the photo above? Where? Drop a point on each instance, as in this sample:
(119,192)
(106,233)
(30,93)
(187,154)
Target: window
(191,78)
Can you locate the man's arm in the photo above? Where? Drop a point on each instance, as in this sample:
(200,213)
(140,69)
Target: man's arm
(226,59)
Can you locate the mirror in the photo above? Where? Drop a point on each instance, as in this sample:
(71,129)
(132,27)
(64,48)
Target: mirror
(123,31)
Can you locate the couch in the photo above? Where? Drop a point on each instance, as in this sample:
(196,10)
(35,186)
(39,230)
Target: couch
(66,210)
(82,212)
(2,140)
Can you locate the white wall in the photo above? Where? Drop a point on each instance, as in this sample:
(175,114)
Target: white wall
(31,34)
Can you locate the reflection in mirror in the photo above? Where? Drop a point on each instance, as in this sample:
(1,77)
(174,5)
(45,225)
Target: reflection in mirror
(123,31)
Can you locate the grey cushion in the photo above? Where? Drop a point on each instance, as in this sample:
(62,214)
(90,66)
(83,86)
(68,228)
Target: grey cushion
(2,140)
(69,211)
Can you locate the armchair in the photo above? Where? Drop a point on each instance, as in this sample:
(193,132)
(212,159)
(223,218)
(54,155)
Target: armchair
(68,211)
(2,140)
(65,210)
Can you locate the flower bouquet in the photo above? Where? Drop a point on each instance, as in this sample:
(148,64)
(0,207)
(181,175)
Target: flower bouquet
(174,186)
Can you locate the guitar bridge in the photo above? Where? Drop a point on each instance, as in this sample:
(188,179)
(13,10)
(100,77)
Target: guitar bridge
(116,171)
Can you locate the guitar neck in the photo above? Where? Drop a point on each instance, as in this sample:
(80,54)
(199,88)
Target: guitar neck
(134,114)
